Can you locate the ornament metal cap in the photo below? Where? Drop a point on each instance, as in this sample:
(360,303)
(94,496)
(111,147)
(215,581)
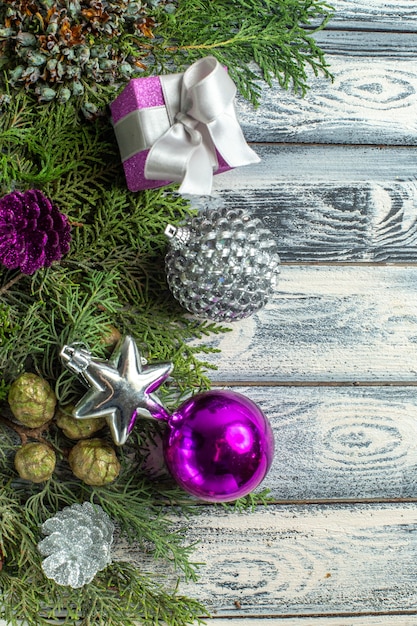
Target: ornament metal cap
(178,236)
(76,359)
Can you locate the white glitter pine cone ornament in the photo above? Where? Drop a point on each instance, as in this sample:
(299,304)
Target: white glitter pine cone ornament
(78,544)
(223,266)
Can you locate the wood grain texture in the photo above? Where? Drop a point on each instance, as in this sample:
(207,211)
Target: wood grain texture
(329,221)
(307,560)
(364,620)
(386,15)
(367,620)
(340,201)
(341,443)
(374,43)
(320,165)
(372,100)
(327,323)
(331,194)
(329,203)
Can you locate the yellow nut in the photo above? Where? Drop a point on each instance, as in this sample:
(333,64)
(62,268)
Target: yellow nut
(77,428)
(94,462)
(32,400)
(35,462)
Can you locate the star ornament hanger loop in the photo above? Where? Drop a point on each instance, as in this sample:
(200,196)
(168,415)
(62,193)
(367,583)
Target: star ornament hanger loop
(121,389)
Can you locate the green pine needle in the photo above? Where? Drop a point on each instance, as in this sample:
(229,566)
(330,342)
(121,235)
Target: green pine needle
(254,38)
(114,273)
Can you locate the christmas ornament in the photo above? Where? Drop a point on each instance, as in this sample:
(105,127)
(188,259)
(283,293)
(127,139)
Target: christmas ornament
(32,400)
(218,446)
(121,388)
(223,266)
(35,462)
(94,462)
(78,544)
(33,232)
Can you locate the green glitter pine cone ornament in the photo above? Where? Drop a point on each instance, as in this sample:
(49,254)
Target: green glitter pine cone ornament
(35,461)
(94,462)
(32,400)
(223,265)
(77,429)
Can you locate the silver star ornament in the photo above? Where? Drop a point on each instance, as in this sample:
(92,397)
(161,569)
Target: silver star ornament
(121,388)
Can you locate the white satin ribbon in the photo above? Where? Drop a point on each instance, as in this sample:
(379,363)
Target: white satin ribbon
(199,119)
(206,121)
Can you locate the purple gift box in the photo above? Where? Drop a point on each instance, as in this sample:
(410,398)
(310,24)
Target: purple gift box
(179,128)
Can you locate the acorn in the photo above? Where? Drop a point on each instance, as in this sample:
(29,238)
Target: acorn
(35,462)
(32,400)
(94,462)
(77,428)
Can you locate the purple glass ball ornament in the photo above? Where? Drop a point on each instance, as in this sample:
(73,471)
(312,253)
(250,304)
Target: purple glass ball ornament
(219,446)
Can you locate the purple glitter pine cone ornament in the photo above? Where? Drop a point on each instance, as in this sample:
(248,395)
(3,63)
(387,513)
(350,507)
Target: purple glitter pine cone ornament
(33,232)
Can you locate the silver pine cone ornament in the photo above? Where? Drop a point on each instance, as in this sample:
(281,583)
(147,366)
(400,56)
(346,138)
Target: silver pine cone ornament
(78,544)
(223,266)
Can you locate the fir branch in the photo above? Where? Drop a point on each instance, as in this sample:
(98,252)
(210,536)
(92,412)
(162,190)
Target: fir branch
(143,522)
(121,594)
(252,500)
(11,283)
(125,592)
(25,433)
(115,233)
(278,35)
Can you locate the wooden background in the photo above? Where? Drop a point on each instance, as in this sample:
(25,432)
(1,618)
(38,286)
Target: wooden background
(332,359)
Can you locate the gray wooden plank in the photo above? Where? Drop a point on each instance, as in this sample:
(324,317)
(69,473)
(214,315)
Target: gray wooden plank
(320,164)
(372,100)
(332,220)
(325,203)
(398,15)
(356,620)
(335,443)
(371,43)
(340,443)
(306,560)
(326,323)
